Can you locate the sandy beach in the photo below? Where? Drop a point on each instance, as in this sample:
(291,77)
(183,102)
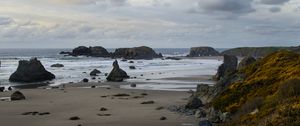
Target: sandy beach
(86,104)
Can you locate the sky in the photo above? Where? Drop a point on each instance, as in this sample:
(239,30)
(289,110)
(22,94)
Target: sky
(154,23)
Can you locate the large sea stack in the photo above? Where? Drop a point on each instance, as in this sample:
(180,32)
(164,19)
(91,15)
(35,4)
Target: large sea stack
(117,74)
(203,51)
(142,52)
(96,51)
(31,71)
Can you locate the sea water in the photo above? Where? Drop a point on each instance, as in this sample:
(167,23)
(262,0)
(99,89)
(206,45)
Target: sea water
(76,68)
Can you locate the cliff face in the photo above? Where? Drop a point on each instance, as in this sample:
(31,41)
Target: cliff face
(203,51)
(257,51)
(269,93)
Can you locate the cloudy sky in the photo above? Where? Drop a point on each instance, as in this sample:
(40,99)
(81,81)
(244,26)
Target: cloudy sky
(155,23)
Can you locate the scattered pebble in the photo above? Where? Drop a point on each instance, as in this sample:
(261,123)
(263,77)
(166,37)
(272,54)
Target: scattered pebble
(104,114)
(103,109)
(74,118)
(35,113)
(148,102)
(144,94)
(121,95)
(159,108)
(163,118)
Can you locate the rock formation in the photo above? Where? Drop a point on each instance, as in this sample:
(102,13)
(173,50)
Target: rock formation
(246,61)
(117,74)
(96,51)
(229,66)
(203,51)
(57,65)
(95,72)
(31,71)
(142,52)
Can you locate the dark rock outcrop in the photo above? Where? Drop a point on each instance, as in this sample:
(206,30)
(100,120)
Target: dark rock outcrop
(142,52)
(95,72)
(117,74)
(17,95)
(203,51)
(229,66)
(57,65)
(246,61)
(173,58)
(2,89)
(194,103)
(31,71)
(96,51)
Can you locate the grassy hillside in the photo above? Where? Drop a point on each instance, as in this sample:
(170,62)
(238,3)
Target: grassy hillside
(256,51)
(269,94)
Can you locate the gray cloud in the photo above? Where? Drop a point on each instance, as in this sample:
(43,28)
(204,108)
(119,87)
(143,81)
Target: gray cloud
(275,9)
(229,6)
(6,20)
(274,2)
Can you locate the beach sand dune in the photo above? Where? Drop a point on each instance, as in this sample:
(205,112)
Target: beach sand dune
(86,103)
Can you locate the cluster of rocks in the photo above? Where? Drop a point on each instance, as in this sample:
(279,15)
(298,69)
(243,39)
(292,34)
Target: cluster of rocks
(142,52)
(203,51)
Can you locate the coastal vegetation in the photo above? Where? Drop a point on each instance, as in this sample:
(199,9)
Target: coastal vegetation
(268,95)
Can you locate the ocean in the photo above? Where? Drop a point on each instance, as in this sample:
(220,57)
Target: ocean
(76,68)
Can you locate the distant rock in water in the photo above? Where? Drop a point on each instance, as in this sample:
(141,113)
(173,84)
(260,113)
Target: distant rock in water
(96,51)
(203,51)
(31,71)
(246,61)
(57,65)
(117,74)
(95,72)
(142,52)
(229,66)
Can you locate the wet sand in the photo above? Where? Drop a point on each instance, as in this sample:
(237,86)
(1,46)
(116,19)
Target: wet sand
(86,103)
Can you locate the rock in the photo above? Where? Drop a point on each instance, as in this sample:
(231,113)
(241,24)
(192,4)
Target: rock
(31,71)
(142,52)
(205,123)
(131,62)
(132,67)
(65,53)
(103,109)
(173,58)
(117,74)
(203,51)
(106,74)
(121,95)
(148,102)
(10,88)
(193,103)
(96,51)
(17,95)
(85,80)
(74,118)
(214,115)
(2,89)
(57,65)
(246,61)
(205,92)
(228,67)
(132,85)
(163,118)
(95,72)
(200,113)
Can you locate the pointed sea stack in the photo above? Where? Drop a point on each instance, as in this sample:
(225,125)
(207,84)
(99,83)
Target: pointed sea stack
(31,71)
(117,74)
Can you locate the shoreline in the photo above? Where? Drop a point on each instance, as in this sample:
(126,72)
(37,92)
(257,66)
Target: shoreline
(62,103)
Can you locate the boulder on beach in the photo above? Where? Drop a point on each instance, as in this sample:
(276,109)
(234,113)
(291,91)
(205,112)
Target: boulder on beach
(117,74)
(57,65)
(142,52)
(203,51)
(194,103)
(95,72)
(2,89)
(132,67)
(17,95)
(229,66)
(31,71)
